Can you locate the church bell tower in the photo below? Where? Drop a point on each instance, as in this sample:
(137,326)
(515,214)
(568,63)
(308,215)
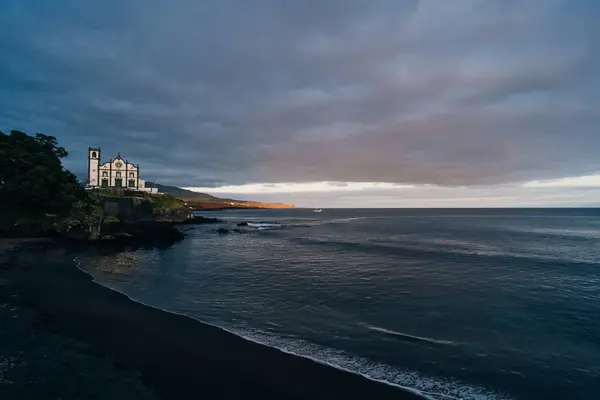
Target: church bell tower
(94,166)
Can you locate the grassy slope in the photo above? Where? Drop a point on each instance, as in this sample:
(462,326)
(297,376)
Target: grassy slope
(206,201)
(186,194)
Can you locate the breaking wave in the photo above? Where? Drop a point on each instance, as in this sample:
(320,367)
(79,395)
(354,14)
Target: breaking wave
(433,388)
(409,337)
(264,225)
(302,223)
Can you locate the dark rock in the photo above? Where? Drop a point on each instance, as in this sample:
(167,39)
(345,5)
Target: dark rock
(77,232)
(151,233)
(197,220)
(145,232)
(26,229)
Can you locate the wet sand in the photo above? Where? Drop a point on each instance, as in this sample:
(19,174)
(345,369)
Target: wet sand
(175,356)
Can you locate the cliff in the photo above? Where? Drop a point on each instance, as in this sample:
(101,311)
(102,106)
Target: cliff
(135,206)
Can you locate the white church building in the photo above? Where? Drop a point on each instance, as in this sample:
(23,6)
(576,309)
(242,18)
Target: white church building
(115,173)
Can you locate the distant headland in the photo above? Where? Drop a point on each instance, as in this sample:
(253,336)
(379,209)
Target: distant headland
(202,201)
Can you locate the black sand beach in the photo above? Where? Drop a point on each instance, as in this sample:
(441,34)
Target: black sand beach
(145,351)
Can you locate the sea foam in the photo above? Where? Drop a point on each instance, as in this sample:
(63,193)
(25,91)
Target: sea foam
(433,388)
(408,336)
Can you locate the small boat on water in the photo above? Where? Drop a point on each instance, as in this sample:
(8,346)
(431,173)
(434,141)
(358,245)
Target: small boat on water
(317,210)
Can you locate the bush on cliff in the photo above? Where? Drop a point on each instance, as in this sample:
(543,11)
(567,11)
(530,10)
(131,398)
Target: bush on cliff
(35,190)
(161,202)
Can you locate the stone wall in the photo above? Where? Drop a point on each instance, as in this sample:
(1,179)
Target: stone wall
(130,209)
(127,208)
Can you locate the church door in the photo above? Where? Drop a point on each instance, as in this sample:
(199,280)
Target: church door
(119,183)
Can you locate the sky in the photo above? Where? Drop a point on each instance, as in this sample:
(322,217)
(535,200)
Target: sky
(329,103)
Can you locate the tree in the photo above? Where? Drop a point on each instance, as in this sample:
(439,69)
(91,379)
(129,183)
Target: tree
(32,179)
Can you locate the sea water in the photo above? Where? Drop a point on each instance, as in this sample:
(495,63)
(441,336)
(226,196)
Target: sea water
(470,304)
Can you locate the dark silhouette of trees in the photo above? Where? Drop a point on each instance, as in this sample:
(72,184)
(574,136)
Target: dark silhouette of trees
(33,182)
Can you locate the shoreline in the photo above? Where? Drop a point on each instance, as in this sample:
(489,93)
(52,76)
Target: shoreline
(177,356)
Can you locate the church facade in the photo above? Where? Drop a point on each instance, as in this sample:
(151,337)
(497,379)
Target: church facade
(115,173)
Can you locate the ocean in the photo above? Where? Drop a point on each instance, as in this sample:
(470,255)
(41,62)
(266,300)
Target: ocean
(456,304)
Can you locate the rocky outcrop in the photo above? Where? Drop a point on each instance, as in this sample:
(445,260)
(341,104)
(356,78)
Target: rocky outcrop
(148,232)
(141,209)
(199,220)
(127,233)
(27,228)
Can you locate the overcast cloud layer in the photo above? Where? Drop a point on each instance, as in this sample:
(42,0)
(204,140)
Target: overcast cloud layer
(229,92)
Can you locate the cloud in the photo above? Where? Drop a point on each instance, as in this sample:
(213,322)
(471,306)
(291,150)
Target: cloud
(312,187)
(226,93)
(588,181)
(388,196)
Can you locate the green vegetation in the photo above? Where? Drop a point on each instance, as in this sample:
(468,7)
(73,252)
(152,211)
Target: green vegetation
(162,202)
(159,202)
(35,190)
(111,220)
(154,203)
(185,194)
(32,179)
